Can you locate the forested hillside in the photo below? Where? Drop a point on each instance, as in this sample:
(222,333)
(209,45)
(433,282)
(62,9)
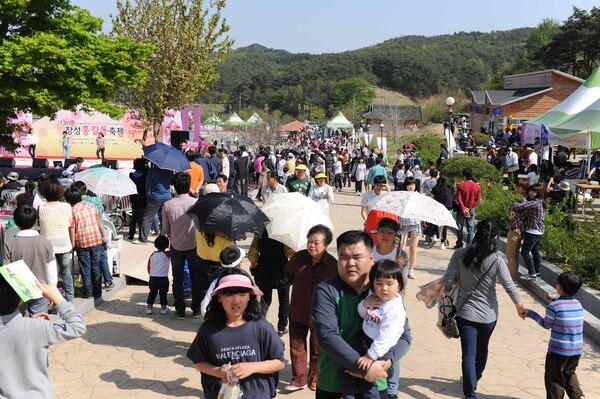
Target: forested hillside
(417,66)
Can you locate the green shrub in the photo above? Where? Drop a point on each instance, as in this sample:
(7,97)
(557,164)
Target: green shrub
(573,245)
(482,170)
(495,200)
(481,138)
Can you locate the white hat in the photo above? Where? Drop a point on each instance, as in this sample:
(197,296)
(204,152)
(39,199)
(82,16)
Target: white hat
(564,185)
(210,188)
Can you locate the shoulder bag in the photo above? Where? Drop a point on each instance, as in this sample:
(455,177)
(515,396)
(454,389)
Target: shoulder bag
(449,311)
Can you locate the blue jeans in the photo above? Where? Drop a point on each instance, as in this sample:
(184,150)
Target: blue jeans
(105,267)
(461,221)
(89,268)
(64,271)
(39,305)
(474,340)
(530,249)
(394,371)
(150,212)
(178,259)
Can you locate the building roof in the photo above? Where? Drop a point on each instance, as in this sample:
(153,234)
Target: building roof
(556,71)
(505,97)
(394,112)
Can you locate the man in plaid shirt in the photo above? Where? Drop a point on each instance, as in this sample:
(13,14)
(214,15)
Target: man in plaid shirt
(88,240)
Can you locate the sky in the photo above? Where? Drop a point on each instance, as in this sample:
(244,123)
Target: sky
(332,26)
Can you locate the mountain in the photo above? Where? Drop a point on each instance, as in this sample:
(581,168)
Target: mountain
(418,66)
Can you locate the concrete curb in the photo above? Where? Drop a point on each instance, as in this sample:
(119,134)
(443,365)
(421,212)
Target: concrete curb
(589,297)
(85,305)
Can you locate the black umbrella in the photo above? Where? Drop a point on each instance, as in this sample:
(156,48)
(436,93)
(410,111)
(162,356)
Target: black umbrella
(230,215)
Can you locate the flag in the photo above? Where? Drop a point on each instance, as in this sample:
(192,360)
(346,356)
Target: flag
(544,133)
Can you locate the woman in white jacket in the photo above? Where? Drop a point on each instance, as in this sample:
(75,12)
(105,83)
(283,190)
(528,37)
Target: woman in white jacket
(321,192)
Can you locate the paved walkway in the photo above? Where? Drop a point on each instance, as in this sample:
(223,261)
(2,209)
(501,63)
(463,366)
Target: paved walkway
(128,354)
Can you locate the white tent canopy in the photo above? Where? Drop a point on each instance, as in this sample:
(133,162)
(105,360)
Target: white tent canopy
(255,119)
(234,119)
(340,122)
(213,120)
(580,99)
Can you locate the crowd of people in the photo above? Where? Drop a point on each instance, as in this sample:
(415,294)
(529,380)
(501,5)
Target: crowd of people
(346,318)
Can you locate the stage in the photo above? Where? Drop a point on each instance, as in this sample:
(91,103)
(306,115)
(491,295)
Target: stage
(30,173)
(24,167)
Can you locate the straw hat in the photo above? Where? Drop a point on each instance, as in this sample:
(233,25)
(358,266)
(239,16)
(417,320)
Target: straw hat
(301,166)
(564,185)
(320,175)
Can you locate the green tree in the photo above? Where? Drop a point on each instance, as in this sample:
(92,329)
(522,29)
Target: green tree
(574,48)
(54,56)
(188,39)
(352,96)
(542,35)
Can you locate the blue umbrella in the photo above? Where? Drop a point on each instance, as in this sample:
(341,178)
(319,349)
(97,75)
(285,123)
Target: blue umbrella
(166,156)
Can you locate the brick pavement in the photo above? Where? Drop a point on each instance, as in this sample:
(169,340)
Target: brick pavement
(128,354)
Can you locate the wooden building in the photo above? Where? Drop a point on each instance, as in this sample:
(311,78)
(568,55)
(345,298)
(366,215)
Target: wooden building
(524,96)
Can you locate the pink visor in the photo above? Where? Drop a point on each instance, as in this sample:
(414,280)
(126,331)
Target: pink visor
(237,281)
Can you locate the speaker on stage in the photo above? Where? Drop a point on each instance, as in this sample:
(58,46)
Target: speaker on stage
(69,162)
(111,163)
(7,162)
(178,137)
(39,163)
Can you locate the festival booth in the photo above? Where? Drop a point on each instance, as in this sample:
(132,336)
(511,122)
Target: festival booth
(579,100)
(292,127)
(255,119)
(234,120)
(571,123)
(340,122)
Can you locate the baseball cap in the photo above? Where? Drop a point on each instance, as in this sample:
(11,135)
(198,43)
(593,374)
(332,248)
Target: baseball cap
(231,256)
(290,155)
(14,176)
(387,224)
(237,281)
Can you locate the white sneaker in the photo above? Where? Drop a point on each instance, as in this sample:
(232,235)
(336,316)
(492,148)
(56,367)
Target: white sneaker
(165,310)
(411,274)
(442,246)
(148,309)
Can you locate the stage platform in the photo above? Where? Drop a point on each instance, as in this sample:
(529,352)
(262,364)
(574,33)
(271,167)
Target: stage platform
(24,168)
(29,172)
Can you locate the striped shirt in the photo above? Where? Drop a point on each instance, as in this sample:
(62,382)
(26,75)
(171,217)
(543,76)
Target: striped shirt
(564,317)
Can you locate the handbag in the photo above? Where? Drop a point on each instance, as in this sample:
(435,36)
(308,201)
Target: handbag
(449,324)
(449,311)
